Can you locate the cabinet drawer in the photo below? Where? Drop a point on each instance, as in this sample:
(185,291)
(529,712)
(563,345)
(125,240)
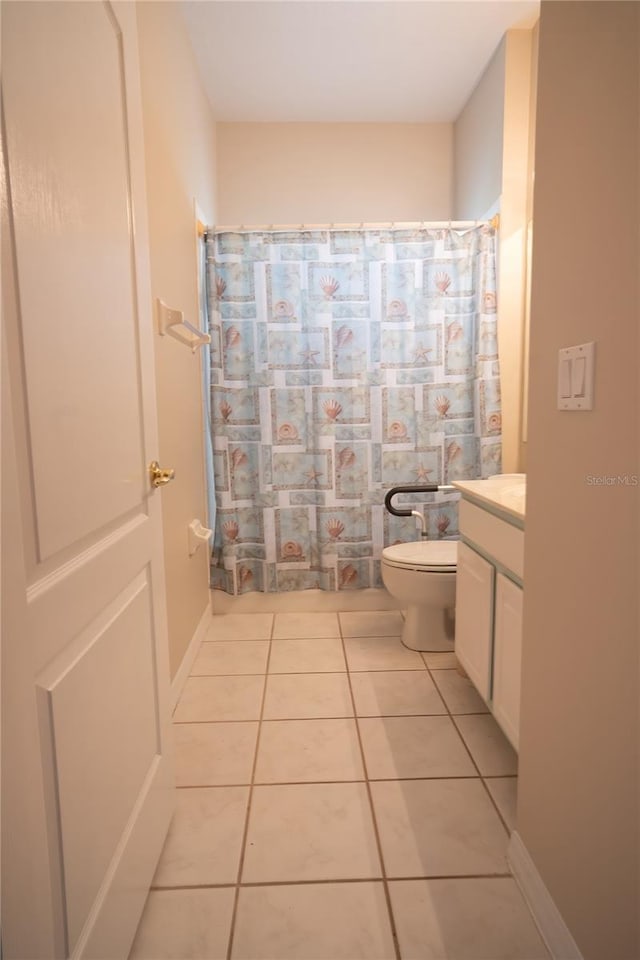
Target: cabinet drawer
(501,541)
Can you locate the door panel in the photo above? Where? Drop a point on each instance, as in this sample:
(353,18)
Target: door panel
(71,202)
(79,337)
(101,765)
(64,601)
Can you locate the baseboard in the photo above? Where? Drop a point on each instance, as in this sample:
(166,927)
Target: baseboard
(548,918)
(184,669)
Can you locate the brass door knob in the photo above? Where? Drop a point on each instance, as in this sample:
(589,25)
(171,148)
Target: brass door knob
(160,477)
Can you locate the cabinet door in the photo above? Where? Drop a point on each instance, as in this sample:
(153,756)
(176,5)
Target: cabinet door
(474,608)
(507,657)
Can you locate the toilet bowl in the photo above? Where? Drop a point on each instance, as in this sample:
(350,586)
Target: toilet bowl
(422,577)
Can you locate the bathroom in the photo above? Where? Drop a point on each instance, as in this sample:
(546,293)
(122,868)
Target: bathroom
(577,804)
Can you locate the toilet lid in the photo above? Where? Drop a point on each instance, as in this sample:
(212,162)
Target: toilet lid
(426,554)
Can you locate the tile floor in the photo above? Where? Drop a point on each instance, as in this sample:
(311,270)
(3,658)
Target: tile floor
(340,797)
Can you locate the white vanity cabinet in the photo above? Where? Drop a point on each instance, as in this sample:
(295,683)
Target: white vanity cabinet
(489,591)
(507,657)
(474,617)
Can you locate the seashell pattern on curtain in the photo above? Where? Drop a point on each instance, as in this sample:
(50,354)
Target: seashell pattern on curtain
(344,362)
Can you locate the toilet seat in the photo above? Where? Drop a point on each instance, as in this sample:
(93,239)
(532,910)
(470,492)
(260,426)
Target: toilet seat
(428,556)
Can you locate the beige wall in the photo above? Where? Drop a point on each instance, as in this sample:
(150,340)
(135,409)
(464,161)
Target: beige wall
(478,143)
(578,787)
(180,164)
(334,172)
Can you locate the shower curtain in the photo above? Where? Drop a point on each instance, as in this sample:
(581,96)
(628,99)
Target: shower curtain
(344,362)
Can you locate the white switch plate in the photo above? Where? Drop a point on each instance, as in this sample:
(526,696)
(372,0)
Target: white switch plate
(576,368)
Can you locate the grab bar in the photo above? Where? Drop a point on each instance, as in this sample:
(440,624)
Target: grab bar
(423,488)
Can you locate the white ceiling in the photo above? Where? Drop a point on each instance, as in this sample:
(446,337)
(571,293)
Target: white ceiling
(346,60)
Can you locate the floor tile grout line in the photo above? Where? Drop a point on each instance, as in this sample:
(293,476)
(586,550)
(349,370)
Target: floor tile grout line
(238,885)
(372,636)
(387,894)
(245,833)
(274,673)
(319,783)
(365,779)
(319,636)
(230,639)
(452,717)
(323,881)
(296,783)
(186,722)
(351,636)
(453,723)
(294,638)
(484,776)
(225,676)
(211,786)
(451,714)
(377,716)
(304,673)
(344,716)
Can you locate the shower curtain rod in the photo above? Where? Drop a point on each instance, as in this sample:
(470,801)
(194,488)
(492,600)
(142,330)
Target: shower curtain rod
(386,225)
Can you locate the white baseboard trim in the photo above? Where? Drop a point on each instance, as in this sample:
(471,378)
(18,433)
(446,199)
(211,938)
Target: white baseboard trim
(548,918)
(184,669)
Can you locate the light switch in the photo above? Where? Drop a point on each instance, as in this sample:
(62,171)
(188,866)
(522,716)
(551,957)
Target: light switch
(578,372)
(575,377)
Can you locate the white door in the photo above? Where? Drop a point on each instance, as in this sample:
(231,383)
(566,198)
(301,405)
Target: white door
(87,781)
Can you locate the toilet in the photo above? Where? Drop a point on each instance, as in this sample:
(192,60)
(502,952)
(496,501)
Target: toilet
(422,577)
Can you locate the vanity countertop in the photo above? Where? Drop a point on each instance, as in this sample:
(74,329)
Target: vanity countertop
(505,493)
